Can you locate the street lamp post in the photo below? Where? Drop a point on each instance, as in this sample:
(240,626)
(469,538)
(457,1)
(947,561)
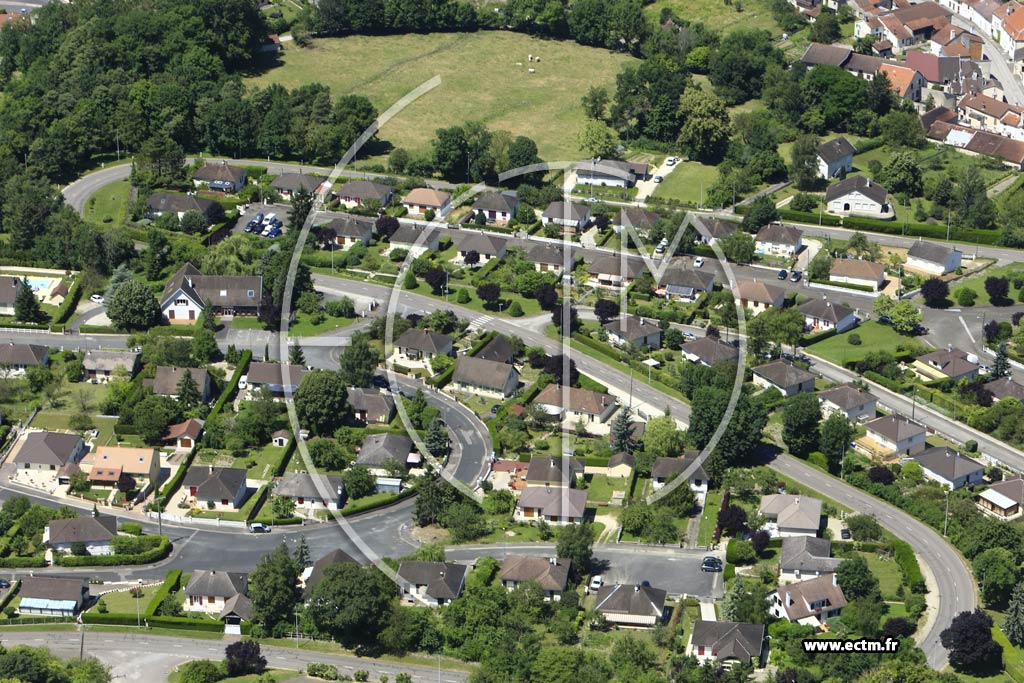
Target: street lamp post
(138,610)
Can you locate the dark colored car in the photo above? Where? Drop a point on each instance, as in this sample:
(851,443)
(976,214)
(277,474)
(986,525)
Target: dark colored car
(5,584)
(711,564)
(796,276)
(258,218)
(783,274)
(845,533)
(380,381)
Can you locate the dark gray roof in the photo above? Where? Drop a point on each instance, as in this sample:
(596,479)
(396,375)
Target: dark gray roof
(498,349)
(164,202)
(713,227)
(378,449)
(820,53)
(217,583)
(951,362)
(293,182)
(479,372)
(930,251)
(364,190)
(320,567)
(108,361)
(554,502)
(48,448)
(215,483)
(376,404)
(636,217)
(360,227)
(408,236)
(665,468)
(857,183)
(729,640)
(681,277)
(22,354)
(424,340)
(846,396)
(166,381)
(480,243)
(306,485)
(783,374)
(778,233)
(1005,387)
(633,328)
(275,374)
(220,171)
(51,588)
(506,202)
(835,149)
(442,579)
(611,264)
(711,350)
(90,529)
(238,605)
(546,252)
(895,428)
(567,210)
(622,458)
(220,290)
(547,468)
(552,574)
(641,601)
(798,597)
(947,463)
(9,287)
(823,309)
(807,554)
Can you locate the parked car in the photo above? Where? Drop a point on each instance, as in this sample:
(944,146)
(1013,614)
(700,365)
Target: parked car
(596,582)
(269,218)
(845,534)
(274,232)
(711,564)
(885,320)
(796,276)
(671,161)
(689,336)
(266,231)
(660,249)
(591,200)
(658,178)
(698,262)
(5,584)
(96,299)
(783,274)
(379,381)
(243,382)
(259,528)
(258,218)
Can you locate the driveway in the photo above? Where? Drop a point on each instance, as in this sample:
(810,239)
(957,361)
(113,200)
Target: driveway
(645,188)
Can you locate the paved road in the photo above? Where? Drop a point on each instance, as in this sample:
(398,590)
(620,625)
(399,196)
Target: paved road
(123,652)
(953,581)
(1001,69)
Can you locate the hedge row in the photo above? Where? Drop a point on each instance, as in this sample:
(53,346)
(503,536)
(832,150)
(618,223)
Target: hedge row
(357,509)
(810,339)
(69,304)
(147,557)
(891,385)
(260,497)
(895,227)
(907,561)
(171,583)
(22,562)
(179,623)
(845,285)
(10,595)
(282,464)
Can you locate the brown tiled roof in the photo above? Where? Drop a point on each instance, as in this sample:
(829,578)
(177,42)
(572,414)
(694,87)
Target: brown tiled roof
(858,268)
(552,574)
(191,428)
(804,593)
(758,292)
(950,362)
(425,196)
(579,400)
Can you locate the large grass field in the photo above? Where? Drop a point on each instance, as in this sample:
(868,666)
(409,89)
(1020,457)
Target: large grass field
(483,77)
(686,182)
(977,283)
(717,15)
(874,337)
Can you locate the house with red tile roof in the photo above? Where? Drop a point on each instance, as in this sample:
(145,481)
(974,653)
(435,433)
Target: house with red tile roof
(905,82)
(901,28)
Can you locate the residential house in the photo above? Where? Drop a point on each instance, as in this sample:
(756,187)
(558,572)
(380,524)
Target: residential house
(487,247)
(547,470)
(712,230)
(893,435)
(851,402)
(792,515)
(499,350)
(417,344)
(188,291)
(381,451)
(167,380)
(936,70)
(665,469)
(1004,499)
(160,203)
(551,258)
(610,172)
(1008,30)
(810,603)
(572,405)
(550,573)
(496,207)
(858,196)
(51,596)
(312,493)
(184,435)
(347,231)
(364,193)
(953,41)
(210,591)
(948,363)
(949,468)
(218,175)
(905,82)
(612,271)
(280,438)
(107,464)
(710,350)
(100,366)
(635,605)
(778,239)
(982,112)
(684,284)
(635,330)
(555,505)
(858,272)
(1005,387)
(822,315)
(806,557)
(641,220)
(941,126)
(312,576)
(757,297)
(15,359)
(371,406)
(784,376)
(431,583)
(9,288)
(287,184)
(423,199)
(416,241)
(487,378)
(931,258)
(215,488)
(95,533)
(569,215)
(898,29)
(48,451)
(280,380)
(835,157)
(621,465)
(726,643)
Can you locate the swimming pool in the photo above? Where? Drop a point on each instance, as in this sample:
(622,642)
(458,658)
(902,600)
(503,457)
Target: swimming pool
(40,284)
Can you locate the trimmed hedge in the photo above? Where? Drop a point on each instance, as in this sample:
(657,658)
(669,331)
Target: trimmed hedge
(171,583)
(22,562)
(895,227)
(845,285)
(260,499)
(358,509)
(441,381)
(149,556)
(69,304)
(810,339)
(907,561)
(891,385)
(9,598)
(179,623)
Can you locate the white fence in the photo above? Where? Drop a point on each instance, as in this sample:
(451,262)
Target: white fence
(201,521)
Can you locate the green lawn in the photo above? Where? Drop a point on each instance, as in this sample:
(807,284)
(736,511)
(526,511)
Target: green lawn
(275,675)
(686,181)
(266,460)
(108,204)
(497,90)
(874,337)
(601,487)
(709,517)
(718,15)
(304,327)
(887,572)
(977,283)
(122,602)
(247,323)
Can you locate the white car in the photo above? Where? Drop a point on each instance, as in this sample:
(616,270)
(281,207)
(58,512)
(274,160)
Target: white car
(96,299)
(591,200)
(671,161)
(243,382)
(658,178)
(596,583)
(698,262)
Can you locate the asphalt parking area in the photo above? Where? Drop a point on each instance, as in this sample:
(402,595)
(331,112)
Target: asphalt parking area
(279,210)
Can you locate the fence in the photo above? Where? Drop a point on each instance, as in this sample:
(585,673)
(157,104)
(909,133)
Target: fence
(205,521)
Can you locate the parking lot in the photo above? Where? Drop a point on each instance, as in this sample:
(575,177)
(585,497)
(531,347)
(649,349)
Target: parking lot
(279,210)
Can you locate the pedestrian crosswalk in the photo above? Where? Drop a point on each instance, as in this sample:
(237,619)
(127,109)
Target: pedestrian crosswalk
(481,322)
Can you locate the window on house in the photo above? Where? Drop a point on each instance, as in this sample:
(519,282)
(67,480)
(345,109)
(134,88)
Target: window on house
(181,302)
(251,293)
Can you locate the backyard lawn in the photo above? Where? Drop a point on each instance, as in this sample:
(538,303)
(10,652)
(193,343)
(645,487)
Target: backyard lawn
(686,182)
(977,283)
(122,601)
(709,517)
(888,572)
(873,335)
(266,460)
(498,90)
(718,15)
(601,486)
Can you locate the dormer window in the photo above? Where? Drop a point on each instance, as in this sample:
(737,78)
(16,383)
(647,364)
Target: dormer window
(251,293)
(223,292)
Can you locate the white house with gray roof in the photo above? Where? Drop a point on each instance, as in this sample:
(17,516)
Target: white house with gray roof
(859,196)
(851,402)
(487,378)
(48,451)
(778,239)
(784,376)
(100,366)
(497,207)
(726,643)
(635,330)
(631,605)
(380,450)
(792,515)
(558,506)
(210,591)
(805,557)
(893,435)
(834,157)
(949,468)
(312,492)
(569,215)
(932,258)
(431,583)
(822,315)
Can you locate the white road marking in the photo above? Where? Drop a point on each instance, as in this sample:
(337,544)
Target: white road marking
(967,329)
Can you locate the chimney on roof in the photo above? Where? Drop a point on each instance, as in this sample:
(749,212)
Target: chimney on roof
(636,589)
(835,580)
(553,561)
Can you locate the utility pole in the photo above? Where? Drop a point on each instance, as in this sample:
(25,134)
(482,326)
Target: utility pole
(913,410)
(945,520)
